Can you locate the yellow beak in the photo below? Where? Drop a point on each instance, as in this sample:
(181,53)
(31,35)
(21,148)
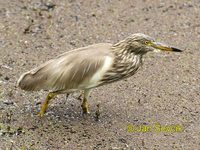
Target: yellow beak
(164,47)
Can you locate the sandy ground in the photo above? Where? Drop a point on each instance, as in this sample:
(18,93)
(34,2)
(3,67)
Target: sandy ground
(165,90)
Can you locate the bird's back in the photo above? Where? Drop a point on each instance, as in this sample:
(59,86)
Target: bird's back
(70,70)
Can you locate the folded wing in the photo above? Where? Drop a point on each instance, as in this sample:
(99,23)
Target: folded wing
(76,69)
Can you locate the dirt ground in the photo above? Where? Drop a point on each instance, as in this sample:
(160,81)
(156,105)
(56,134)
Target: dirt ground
(165,91)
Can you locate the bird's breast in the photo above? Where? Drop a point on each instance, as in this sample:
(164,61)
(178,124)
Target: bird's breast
(96,78)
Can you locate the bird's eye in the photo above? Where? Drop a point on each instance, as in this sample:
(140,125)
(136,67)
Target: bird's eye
(147,42)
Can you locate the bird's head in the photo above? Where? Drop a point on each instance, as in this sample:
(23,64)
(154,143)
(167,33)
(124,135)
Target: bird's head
(140,44)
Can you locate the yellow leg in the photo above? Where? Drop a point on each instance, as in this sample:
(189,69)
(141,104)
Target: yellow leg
(45,104)
(84,104)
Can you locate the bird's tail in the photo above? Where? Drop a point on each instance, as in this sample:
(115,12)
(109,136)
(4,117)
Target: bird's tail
(31,82)
(35,79)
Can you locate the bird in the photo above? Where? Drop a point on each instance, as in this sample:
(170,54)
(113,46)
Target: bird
(85,68)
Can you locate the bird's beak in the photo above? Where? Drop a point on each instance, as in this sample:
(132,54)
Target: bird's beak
(164,47)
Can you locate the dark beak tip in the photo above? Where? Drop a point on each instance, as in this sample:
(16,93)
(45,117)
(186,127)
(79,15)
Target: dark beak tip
(176,50)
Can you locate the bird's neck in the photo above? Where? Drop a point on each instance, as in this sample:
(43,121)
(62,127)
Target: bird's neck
(128,59)
(123,53)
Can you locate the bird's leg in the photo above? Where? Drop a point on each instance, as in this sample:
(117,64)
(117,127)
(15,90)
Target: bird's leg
(84,104)
(45,103)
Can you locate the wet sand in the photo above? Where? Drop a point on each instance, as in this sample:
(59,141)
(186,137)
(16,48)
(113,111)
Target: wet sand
(165,90)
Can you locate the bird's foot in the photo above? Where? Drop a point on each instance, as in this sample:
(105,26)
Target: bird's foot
(43,109)
(40,114)
(85,109)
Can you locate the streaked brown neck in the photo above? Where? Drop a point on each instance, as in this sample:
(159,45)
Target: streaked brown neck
(126,63)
